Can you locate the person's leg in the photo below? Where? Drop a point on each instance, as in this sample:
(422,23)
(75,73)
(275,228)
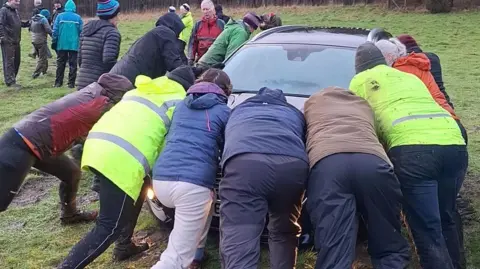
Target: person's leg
(332,208)
(289,176)
(200,252)
(43,53)
(72,66)
(33,54)
(124,247)
(18,58)
(8,59)
(192,204)
(116,209)
(62,57)
(41,61)
(454,169)
(69,173)
(15,163)
(243,210)
(418,168)
(378,196)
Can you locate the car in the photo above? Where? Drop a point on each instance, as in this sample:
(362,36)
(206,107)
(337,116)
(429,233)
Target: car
(299,60)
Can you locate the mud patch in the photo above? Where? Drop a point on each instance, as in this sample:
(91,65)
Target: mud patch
(465,204)
(156,239)
(87,199)
(34,190)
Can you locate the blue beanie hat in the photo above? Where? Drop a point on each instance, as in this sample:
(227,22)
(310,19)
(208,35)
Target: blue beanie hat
(45,13)
(107,9)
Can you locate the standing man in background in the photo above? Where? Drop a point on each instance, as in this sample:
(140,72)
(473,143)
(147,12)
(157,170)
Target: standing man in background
(40,30)
(187,20)
(220,15)
(204,33)
(57,9)
(99,44)
(10,36)
(66,39)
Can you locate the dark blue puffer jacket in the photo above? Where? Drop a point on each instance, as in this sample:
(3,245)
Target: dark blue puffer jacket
(266,124)
(195,137)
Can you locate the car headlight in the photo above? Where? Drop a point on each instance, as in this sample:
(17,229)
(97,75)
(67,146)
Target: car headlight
(150,194)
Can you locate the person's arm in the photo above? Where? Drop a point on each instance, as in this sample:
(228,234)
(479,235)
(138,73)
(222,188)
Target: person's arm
(193,44)
(79,54)
(236,40)
(171,54)
(80,25)
(111,49)
(55,30)
(3,20)
(47,27)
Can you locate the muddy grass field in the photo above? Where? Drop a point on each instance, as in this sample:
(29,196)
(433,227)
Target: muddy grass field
(30,232)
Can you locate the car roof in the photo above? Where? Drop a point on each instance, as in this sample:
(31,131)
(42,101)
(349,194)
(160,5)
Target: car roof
(297,34)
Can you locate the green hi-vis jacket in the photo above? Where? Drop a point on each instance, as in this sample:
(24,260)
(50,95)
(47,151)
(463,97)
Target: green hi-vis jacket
(124,144)
(405,111)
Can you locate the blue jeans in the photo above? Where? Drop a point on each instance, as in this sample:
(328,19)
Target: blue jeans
(431,177)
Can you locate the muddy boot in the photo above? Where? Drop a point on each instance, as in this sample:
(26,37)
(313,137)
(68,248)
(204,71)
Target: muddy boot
(71,215)
(123,251)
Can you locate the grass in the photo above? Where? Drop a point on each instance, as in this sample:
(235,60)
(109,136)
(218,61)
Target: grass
(32,237)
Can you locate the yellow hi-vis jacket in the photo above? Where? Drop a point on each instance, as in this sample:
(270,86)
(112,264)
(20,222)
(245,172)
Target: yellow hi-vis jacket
(124,144)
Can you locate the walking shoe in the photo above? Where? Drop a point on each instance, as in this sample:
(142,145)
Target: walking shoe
(36,75)
(15,86)
(57,85)
(79,217)
(199,264)
(71,86)
(121,253)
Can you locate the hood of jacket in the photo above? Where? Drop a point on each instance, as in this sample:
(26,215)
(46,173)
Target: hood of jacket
(115,86)
(161,85)
(276,94)
(8,6)
(171,21)
(38,18)
(205,95)
(233,23)
(417,60)
(70,6)
(94,26)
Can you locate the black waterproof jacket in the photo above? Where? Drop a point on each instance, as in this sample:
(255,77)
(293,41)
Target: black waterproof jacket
(10,25)
(155,53)
(99,48)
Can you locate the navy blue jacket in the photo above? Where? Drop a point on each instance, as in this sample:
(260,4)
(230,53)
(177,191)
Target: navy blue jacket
(267,124)
(195,138)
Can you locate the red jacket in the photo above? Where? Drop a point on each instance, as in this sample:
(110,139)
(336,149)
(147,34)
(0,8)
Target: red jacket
(419,65)
(52,129)
(203,35)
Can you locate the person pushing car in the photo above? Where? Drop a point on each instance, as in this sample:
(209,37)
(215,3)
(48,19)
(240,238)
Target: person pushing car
(42,137)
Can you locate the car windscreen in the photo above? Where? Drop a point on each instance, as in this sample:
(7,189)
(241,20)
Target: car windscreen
(294,68)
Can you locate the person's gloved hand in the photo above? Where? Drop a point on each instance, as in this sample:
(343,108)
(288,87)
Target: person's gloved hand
(198,70)
(54,46)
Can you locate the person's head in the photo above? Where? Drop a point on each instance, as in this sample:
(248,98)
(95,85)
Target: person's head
(409,42)
(183,75)
(70,6)
(217,77)
(45,13)
(252,21)
(270,20)
(367,57)
(208,9)
(171,9)
(392,49)
(37,3)
(13,3)
(218,9)
(171,21)
(108,10)
(115,86)
(184,9)
(57,4)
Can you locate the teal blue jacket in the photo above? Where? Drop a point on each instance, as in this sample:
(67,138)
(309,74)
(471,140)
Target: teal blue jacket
(67,28)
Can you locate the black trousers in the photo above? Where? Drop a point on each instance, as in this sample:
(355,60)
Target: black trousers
(16,159)
(346,185)
(116,222)
(255,185)
(11,62)
(64,56)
